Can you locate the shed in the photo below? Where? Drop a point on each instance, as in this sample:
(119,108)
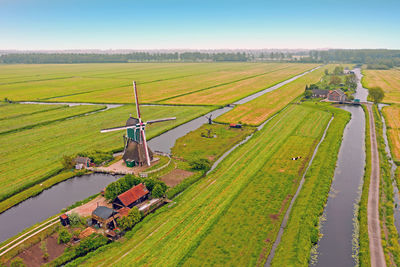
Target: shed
(64,220)
(104,217)
(133,196)
(81,162)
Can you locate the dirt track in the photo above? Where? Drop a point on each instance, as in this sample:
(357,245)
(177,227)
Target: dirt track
(374,229)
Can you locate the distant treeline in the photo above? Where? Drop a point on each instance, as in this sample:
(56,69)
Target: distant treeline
(374,58)
(41,58)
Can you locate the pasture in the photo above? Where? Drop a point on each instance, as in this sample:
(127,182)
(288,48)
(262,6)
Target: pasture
(157,82)
(29,156)
(41,118)
(236,210)
(260,109)
(388,80)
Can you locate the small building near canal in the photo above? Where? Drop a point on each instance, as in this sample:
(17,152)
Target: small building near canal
(104,217)
(132,197)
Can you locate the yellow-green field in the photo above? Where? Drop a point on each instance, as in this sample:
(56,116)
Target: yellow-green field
(112,83)
(392,116)
(260,109)
(388,80)
(233,215)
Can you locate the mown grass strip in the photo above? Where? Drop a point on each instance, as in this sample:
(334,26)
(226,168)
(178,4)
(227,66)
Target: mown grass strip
(301,232)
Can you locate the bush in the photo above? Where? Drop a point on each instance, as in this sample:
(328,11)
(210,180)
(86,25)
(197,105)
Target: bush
(68,162)
(91,243)
(17,262)
(200,164)
(129,221)
(158,191)
(63,236)
(75,219)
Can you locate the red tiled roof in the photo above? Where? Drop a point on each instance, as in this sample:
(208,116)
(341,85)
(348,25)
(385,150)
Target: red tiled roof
(133,194)
(64,216)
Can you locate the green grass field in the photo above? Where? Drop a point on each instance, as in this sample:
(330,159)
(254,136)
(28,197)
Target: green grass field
(231,216)
(112,83)
(195,146)
(41,118)
(28,157)
(260,109)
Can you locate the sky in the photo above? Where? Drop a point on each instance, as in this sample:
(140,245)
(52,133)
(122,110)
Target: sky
(165,24)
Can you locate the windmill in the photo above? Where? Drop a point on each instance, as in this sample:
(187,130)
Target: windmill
(209,118)
(136,150)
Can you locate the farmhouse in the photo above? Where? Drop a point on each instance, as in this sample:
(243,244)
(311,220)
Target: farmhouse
(336,95)
(318,93)
(132,197)
(104,217)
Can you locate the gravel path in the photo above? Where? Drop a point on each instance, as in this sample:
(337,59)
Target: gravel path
(374,228)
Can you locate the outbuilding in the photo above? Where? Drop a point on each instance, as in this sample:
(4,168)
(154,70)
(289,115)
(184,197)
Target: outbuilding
(104,217)
(132,197)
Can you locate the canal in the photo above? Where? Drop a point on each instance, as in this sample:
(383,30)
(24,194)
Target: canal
(339,244)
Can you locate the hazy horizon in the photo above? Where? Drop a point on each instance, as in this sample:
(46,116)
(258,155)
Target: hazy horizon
(189,25)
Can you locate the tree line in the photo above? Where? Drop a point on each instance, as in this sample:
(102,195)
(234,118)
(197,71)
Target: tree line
(373,58)
(61,58)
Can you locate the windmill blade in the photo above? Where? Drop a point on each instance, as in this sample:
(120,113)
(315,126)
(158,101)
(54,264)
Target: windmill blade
(117,128)
(137,101)
(161,120)
(146,150)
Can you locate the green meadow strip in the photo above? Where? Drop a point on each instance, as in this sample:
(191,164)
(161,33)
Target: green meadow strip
(302,232)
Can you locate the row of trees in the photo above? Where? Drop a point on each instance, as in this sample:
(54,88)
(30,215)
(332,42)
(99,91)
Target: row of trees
(64,58)
(156,187)
(374,58)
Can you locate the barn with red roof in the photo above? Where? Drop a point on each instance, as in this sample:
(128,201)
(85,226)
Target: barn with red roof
(132,197)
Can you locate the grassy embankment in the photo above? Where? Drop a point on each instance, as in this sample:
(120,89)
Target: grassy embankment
(222,219)
(301,232)
(112,83)
(32,156)
(364,253)
(388,80)
(390,242)
(260,109)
